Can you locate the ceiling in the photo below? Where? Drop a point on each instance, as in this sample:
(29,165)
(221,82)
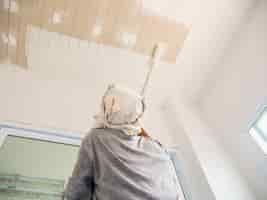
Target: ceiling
(62,65)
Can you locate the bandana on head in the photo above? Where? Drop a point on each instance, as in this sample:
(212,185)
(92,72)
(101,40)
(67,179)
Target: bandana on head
(121,109)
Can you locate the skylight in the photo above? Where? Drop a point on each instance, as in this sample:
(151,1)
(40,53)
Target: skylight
(258,130)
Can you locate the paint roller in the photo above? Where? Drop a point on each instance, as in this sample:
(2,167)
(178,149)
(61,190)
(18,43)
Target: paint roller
(157,53)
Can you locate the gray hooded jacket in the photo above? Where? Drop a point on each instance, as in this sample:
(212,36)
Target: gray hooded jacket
(115,166)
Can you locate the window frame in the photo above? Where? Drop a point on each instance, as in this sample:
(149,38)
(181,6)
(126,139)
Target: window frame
(260,134)
(42,134)
(255,124)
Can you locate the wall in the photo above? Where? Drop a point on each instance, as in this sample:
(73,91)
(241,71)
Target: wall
(213,25)
(221,172)
(194,179)
(235,98)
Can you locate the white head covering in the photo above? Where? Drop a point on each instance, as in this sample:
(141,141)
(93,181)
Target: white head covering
(121,109)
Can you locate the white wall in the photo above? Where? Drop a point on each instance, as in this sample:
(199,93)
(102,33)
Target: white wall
(213,24)
(195,179)
(221,172)
(233,101)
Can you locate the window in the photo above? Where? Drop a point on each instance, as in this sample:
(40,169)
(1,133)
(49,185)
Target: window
(258,130)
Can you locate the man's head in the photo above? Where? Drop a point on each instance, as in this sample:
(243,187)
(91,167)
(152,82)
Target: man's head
(121,109)
(122,105)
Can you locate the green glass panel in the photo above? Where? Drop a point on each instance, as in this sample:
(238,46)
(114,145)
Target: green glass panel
(15,187)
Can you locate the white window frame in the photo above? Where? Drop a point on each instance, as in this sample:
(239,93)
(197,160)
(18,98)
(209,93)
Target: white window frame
(3,135)
(258,135)
(43,134)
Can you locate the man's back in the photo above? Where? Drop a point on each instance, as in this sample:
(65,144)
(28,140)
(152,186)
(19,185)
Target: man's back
(116,166)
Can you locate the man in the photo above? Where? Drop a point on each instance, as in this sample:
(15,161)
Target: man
(118,160)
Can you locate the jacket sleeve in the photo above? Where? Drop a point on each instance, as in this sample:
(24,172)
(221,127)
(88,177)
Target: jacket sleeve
(81,185)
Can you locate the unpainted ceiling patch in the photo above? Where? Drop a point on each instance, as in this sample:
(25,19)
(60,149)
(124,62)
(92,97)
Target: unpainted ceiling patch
(12,41)
(119,23)
(4,38)
(57,17)
(6,4)
(97,30)
(127,39)
(14,7)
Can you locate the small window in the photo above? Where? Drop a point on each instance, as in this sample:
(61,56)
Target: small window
(258,130)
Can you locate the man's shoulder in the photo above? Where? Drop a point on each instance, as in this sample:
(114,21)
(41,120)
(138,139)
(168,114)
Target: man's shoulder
(94,132)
